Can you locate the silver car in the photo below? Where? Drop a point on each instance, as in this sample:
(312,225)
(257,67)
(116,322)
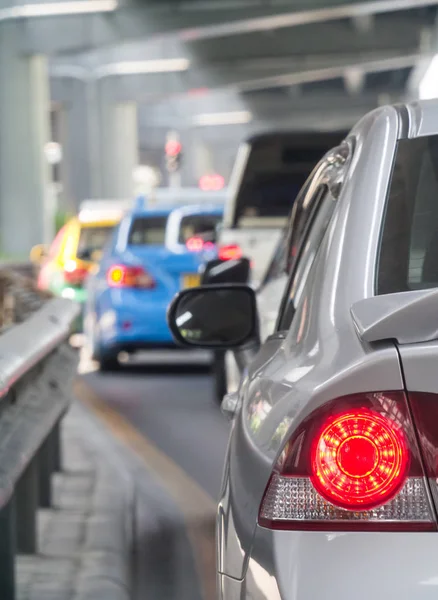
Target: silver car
(330,484)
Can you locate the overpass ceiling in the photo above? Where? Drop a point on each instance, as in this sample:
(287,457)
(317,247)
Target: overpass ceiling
(316,46)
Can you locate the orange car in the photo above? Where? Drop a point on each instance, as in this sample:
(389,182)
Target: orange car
(65,265)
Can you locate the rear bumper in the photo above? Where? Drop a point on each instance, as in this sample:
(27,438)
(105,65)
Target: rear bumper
(134,329)
(303,565)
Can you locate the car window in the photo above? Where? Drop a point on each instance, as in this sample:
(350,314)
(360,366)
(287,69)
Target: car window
(408,253)
(313,220)
(92,239)
(278,264)
(148,231)
(269,173)
(200,225)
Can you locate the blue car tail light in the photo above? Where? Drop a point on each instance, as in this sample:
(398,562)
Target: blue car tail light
(122,276)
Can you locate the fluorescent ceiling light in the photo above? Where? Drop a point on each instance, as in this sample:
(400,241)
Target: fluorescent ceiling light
(225,118)
(52,9)
(136,67)
(428,87)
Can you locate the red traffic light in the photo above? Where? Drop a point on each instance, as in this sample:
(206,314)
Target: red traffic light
(173,148)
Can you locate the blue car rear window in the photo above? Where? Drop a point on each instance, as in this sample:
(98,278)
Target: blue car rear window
(148,231)
(204,226)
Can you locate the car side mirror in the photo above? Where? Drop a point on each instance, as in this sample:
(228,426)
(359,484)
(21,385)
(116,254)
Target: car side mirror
(226,271)
(38,254)
(222,316)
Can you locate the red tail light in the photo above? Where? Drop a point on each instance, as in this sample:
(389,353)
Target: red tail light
(425,413)
(195,244)
(352,464)
(230,252)
(122,276)
(74,275)
(359,459)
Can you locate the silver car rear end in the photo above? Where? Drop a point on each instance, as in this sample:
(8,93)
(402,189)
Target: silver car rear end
(320,355)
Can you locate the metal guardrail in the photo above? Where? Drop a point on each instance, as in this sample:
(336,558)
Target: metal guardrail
(23,268)
(37,367)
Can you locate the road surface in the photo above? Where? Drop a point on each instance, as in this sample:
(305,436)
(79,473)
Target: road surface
(162,408)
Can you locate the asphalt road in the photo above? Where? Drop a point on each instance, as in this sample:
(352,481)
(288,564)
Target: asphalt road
(169,401)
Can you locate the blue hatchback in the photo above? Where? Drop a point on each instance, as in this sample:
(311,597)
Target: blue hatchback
(152,255)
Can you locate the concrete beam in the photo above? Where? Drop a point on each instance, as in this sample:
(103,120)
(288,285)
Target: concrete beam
(164,21)
(155,87)
(263,107)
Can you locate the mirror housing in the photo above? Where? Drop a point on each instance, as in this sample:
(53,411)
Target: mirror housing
(213,317)
(38,254)
(219,271)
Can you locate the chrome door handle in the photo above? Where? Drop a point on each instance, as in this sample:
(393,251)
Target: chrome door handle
(230,405)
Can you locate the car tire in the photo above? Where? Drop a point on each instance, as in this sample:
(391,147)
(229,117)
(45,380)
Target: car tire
(108,363)
(219,376)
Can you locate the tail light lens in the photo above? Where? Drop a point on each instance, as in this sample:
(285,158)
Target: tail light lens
(230,252)
(74,275)
(122,276)
(195,244)
(354,464)
(425,414)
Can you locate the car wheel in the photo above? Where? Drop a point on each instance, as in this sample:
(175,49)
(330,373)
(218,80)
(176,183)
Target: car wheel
(219,376)
(108,363)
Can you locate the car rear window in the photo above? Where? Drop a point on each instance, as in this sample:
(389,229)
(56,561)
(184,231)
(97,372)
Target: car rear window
(408,257)
(277,167)
(204,226)
(92,239)
(148,231)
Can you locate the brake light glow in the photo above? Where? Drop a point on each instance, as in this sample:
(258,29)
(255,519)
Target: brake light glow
(211,183)
(195,244)
(74,275)
(352,464)
(359,460)
(122,276)
(230,252)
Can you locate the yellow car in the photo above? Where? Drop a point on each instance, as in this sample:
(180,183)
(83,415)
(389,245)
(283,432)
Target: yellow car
(64,265)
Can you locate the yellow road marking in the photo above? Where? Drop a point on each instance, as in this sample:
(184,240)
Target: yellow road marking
(197,507)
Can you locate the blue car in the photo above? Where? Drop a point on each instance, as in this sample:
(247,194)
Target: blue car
(152,255)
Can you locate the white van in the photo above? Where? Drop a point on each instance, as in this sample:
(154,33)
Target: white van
(269,171)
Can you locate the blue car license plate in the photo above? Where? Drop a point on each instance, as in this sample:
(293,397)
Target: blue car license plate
(190,280)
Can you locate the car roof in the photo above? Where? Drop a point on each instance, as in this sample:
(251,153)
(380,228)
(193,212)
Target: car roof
(180,210)
(297,138)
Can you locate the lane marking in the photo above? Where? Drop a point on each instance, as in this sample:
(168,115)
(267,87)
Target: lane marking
(197,507)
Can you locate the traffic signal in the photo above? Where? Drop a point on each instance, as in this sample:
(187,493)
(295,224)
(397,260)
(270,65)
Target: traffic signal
(173,150)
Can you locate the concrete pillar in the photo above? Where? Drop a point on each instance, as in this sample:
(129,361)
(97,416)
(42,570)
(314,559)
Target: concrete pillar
(26,208)
(203,157)
(77,161)
(119,148)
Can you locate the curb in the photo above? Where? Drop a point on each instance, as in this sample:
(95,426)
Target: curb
(105,564)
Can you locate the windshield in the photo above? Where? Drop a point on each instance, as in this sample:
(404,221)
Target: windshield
(148,231)
(92,239)
(200,225)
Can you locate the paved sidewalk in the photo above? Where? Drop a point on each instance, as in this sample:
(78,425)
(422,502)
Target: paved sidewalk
(85,540)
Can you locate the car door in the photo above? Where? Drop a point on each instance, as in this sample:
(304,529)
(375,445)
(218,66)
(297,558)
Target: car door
(262,387)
